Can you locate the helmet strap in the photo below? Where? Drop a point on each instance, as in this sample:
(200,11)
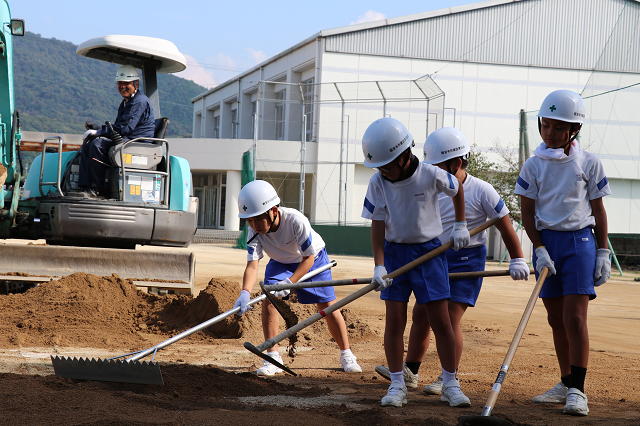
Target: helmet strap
(273,220)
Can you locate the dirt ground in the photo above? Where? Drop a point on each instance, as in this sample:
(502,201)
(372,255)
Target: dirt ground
(210,378)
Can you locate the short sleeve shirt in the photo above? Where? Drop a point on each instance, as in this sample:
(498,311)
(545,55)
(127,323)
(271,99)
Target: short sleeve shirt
(562,189)
(409,208)
(293,240)
(481,202)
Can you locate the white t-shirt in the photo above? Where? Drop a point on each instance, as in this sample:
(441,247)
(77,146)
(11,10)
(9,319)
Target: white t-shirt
(481,201)
(293,240)
(409,208)
(563,188)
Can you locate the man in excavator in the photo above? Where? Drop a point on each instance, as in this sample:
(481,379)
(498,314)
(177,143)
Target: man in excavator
(134,120)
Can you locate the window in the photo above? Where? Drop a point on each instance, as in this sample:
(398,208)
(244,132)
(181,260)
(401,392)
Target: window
(279,118)
(307,92)
(254,111)
(234,124)
(216,127)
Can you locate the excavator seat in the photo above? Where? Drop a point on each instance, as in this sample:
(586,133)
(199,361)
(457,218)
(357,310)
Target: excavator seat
(142,155)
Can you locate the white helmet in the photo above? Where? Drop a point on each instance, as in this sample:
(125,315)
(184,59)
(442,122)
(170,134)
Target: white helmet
(563,105)
(384,140)
(444,144)
(255,198)
(127,73)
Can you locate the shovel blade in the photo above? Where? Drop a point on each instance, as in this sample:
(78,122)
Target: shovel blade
(147,373)
(482,421)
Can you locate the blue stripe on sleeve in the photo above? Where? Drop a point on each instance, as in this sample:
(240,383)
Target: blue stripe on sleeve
(306,244)
(250,249)
(522,183)
(368,205)
(602,183)
(499,206)
(450,181)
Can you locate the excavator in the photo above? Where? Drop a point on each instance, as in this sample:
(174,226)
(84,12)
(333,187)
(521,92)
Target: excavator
(148,200)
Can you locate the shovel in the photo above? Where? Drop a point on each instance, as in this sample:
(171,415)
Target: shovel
(130,369)
(258,350)
(353,281)
(485,418)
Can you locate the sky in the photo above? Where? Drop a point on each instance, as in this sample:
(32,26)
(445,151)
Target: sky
(219,39)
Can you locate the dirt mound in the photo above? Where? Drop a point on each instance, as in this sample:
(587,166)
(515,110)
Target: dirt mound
(84,310)
(77,310)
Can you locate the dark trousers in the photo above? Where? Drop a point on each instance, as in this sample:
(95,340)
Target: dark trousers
(92,172)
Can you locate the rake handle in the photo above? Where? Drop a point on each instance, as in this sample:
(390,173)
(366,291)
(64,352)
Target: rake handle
(495,390)
(364,290)
(354,281)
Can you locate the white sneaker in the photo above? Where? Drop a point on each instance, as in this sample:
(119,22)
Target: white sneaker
(576,403)
(434,388)
(410,379)
(349,364)
(555,395)
(452,394)
(269,369)
(396,395)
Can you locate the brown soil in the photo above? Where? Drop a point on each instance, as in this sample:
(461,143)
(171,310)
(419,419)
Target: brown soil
(209,377)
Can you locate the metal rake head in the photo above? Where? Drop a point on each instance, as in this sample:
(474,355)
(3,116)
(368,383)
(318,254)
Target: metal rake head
(144,372)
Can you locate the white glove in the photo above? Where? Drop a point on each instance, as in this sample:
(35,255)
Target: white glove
(242,302)
(603,267)
(519,269)
(379,272)
(88,133)
(544,260)
(460,235)
(282,293)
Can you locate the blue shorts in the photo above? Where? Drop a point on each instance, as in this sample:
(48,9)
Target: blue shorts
(574,257)
(276,272)
(471,259)
(428,281)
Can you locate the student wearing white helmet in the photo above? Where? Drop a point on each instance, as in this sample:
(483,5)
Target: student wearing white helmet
(561,189)
(134,120)
(294,249)
(402,204)
(448,149)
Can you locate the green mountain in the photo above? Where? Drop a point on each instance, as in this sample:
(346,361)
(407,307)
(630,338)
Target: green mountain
(57,90)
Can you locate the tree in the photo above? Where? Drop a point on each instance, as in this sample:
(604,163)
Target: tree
(502,176)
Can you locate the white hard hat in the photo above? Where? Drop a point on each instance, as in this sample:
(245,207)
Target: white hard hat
(255,198)
(444,144)
(563,105)
(127,73)
(384,140)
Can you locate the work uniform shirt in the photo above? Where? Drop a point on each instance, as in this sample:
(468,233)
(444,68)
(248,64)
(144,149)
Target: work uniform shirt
(409,208)
(293,240)
(135,119)
(481,201)
(563,188)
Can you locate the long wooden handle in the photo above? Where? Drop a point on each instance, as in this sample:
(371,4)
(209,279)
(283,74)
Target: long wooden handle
(495,390)
(364,290)
(353,281)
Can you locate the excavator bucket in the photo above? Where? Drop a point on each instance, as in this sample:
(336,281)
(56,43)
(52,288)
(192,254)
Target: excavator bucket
(167,270)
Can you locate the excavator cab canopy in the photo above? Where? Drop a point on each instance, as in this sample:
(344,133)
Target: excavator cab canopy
(151,55)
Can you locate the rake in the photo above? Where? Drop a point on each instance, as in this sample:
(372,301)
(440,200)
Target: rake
(128,368)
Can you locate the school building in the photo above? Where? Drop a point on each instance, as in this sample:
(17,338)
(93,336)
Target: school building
(302,112)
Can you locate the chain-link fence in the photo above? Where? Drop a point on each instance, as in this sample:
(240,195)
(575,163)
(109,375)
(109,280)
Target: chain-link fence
(325,178)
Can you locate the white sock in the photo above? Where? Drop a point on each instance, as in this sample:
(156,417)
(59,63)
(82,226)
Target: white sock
(275,355)
(346,352)
(447,377)
(397,377)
